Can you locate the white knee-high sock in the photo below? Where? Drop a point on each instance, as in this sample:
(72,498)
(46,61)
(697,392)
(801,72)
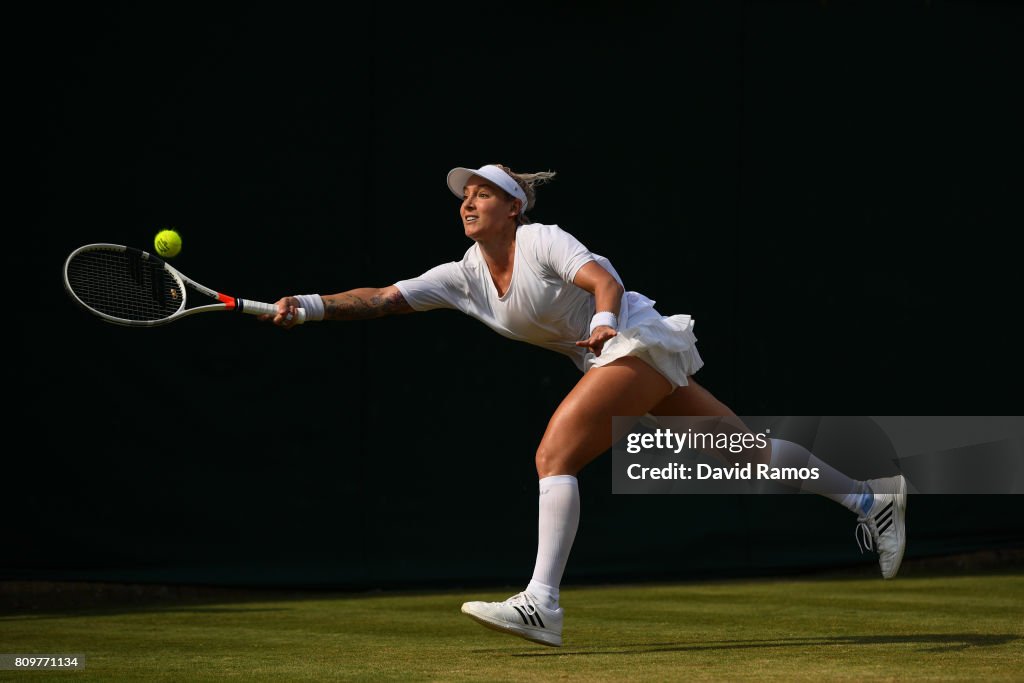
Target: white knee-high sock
(559,517)
(854,495)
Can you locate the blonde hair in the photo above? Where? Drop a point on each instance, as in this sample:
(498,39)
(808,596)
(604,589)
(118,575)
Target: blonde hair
(527,181)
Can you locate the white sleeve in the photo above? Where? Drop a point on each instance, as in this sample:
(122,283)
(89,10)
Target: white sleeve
(565,254)
(442,286)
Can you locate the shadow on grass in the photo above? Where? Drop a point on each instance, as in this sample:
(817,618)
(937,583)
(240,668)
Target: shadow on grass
(938,642)
(23,598)
(43,600)
(162,609)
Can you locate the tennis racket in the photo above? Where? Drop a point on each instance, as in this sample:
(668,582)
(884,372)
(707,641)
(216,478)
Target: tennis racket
(132,287)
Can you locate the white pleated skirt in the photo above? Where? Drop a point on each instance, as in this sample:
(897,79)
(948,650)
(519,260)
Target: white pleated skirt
(666,343)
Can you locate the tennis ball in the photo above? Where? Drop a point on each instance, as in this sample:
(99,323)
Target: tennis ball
(167,243)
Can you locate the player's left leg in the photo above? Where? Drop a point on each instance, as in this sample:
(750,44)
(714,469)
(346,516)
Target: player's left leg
(579,431)
(880,504)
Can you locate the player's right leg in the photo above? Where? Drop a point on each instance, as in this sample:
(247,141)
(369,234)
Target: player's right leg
(579,431)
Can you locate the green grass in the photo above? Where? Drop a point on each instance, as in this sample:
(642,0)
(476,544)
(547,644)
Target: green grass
(933,628)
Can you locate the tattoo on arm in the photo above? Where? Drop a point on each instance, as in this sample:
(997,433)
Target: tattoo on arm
(364,304)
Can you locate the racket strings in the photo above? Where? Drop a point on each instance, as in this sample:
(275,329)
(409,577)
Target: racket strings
(123,285)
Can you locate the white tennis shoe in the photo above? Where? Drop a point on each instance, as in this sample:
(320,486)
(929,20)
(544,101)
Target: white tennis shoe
(519,615)
(882,529)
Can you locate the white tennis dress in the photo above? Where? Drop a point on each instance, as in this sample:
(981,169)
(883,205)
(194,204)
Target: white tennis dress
(543,307)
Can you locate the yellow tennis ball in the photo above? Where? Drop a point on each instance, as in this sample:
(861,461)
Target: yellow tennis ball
(167,243)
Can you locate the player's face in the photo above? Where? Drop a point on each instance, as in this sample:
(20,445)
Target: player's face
(486,210)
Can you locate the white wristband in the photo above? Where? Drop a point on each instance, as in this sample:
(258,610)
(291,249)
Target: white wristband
(604,318)
(313,304)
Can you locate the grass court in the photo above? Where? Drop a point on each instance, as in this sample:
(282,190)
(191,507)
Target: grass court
(918,628)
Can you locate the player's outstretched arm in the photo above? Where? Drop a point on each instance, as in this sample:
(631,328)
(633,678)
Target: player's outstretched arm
(363,303)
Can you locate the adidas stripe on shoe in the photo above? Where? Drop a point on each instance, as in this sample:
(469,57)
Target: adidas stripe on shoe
(519,615)
(883,528)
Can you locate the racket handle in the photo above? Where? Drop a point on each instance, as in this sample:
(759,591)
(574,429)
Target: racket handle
(259,308)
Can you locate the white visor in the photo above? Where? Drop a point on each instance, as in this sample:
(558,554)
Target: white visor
(458,177)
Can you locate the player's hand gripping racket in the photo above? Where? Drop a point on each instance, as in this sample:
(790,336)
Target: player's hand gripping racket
(129,286)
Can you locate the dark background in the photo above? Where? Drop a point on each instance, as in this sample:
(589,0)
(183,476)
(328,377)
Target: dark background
(831,189)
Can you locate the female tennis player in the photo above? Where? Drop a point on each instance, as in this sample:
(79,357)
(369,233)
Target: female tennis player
(538,284)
